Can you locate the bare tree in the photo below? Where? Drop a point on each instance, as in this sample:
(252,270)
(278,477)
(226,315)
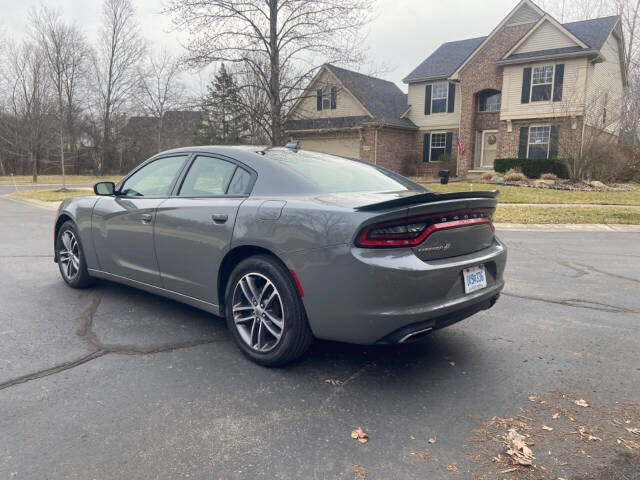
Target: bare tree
(278,40)
(64,50)
(28,102)
(119,50)
(161,88)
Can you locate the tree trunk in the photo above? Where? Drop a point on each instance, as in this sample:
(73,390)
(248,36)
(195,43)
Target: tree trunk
(34,163)
(274,81)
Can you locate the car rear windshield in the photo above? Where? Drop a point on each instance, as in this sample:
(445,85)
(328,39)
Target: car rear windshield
(336,174)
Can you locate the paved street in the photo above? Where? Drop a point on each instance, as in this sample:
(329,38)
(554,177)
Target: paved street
(110,382)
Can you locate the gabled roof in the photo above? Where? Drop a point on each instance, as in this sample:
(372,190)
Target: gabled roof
(593,32)
(445,60)
(381,98)
(451,56)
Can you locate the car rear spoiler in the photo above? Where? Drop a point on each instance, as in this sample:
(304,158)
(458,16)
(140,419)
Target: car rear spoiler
(428,197)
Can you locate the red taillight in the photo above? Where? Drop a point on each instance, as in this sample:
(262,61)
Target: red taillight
(414,230)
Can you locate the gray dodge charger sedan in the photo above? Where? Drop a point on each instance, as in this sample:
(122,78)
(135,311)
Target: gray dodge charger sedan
(288,245)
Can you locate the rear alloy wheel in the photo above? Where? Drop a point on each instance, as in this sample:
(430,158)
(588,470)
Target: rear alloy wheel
(73,267)
(264,312)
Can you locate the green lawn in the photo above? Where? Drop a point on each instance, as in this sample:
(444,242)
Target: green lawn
(512,194)
(57,179)
(568,214)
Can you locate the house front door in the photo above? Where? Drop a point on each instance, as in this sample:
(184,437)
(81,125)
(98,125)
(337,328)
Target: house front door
(489,148)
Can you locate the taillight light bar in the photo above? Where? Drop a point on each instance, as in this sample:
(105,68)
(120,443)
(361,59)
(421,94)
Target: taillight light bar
(412,231)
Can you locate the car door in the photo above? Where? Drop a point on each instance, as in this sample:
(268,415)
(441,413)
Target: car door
(123,224)
(194,227)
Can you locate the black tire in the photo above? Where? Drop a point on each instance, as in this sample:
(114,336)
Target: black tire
(296,336)
(81,279)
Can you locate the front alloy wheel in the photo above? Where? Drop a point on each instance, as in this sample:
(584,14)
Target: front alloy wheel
(69,255)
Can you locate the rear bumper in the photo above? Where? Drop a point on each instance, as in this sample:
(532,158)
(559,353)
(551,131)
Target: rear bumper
(371,296)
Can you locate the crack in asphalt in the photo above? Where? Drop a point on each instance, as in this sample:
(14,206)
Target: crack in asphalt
(577,303)
(99,349)
(604,272)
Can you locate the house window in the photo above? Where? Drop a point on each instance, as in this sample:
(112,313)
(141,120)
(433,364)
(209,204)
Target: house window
(489,101)
(439,98)
(539,138)
(327,98)
(541,83)
(438,145)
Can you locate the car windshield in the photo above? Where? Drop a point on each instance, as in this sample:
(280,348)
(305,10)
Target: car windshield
(336,174)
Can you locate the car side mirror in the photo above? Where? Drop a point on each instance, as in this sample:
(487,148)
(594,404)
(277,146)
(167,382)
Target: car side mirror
(104,188)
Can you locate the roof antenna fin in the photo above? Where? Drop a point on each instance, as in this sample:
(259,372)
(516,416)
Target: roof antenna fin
(293,145)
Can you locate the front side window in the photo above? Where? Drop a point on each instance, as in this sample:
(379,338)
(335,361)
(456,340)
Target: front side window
(439,98)
(489,101)
(541,83)
(154,179)
(539,142)
(207,177)
(438,145)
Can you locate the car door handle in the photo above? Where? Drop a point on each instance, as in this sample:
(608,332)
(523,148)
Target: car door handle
(145,218)
(219,218)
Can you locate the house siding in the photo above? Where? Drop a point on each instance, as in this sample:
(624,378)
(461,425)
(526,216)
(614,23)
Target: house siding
(435,120)
(573,92)
(606,77)
(525,14)
(546,37)
(346,103)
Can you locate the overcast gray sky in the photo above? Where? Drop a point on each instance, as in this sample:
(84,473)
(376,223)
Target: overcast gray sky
(403,33)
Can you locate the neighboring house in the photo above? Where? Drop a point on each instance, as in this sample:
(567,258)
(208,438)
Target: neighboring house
(353,115)
(532,88)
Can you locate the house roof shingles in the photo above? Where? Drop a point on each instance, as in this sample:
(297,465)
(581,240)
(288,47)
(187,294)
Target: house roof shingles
(445,60)
(449,56)
(383,100)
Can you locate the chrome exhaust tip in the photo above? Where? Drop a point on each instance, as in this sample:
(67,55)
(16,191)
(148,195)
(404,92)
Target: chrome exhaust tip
(418,334)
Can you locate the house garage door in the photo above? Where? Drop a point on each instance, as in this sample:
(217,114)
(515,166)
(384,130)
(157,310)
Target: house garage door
(343,146)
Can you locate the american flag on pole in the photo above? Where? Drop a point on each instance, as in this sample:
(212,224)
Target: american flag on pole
(460,145)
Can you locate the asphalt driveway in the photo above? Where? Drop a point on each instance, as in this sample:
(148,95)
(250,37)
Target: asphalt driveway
(113,383)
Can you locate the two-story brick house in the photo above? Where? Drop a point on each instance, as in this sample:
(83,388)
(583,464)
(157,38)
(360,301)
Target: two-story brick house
(532,88)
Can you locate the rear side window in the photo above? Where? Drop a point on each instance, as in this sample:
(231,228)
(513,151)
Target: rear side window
(240,183)
(154,179)
(207,177)
(336,174)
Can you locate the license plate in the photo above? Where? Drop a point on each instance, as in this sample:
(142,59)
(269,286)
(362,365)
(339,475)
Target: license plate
(474,279)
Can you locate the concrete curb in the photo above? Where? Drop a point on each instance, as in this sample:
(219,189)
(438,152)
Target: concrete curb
(567,227)
(34,203)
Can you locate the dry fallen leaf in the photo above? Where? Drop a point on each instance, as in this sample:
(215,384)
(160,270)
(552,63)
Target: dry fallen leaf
(517,449)
(333,382)
(581,402)
(432,440)
(361,473)
(635,431)
(548,429)
(537,398)
(555,416)
(360,435)
(452,467)
(630,444)
(584,434)
(424,455)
